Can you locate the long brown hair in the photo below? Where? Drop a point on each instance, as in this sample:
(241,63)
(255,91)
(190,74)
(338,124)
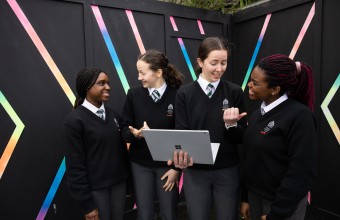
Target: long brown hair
(158,60)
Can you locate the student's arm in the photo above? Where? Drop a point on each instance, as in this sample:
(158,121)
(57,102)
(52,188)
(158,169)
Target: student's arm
(181,117)
(302,144)
(76,171)
(127,118)
(236,133)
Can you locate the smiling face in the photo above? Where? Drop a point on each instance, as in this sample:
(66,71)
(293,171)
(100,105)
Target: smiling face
(148,77)
(258,87)
(99,92)
(214,65)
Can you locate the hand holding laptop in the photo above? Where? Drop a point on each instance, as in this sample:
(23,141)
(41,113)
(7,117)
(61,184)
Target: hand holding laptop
(181,160)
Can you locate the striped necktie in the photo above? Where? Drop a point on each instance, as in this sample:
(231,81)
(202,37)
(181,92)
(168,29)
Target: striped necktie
(209,90)
(262,111)
(100,113)
(155,96)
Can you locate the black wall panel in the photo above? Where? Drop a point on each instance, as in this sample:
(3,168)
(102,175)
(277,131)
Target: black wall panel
(34,98)
(319,48)
(43,44)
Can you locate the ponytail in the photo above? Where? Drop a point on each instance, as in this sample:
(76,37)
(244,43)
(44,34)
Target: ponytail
(172,76)
(304,89)
(295,79)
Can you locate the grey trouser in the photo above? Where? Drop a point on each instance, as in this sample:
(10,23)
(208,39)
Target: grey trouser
(147,184)
(259,206)
(111,201)
(204,189)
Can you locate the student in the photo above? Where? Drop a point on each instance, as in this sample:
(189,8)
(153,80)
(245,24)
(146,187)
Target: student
(96,157)
(212,104)
(280,141)
(152,105)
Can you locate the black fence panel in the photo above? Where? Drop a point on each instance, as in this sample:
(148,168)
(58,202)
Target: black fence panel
(43,45)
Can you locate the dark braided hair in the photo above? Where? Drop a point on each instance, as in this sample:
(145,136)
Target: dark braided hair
(84,81)
(295,79)
(158,60)
(209,44)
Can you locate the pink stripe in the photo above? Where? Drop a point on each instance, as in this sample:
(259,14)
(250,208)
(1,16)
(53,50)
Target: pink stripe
(302,32)
(265,25)
(98,17)
(174,26)
(200,27)
(135,31)
(180,185)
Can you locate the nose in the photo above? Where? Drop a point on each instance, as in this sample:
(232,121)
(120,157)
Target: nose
(107,86)
(249,84)
(139,77)
(219,68)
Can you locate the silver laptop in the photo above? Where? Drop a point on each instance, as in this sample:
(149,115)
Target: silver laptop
(163,143)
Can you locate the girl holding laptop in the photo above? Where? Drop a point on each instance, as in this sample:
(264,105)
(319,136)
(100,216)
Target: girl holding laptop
(213,104)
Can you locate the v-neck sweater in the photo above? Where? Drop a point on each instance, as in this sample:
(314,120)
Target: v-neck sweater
(279,149)
(139,107)
(96,156)
(196,111)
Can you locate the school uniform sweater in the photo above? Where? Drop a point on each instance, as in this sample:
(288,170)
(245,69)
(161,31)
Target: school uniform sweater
(95,154)
(279,158)
(196,111)
(139,107)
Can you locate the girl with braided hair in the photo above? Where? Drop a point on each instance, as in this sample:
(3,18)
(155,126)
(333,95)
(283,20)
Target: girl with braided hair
(96,157)
(152,105)
(280,141)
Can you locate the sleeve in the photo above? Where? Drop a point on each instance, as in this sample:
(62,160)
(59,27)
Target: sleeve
(302,144)
(236,133)
(127,119)
(76,171)
(181,118)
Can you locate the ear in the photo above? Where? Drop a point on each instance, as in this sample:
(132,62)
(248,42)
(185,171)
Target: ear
(159,73)
(200,62)
(275,90)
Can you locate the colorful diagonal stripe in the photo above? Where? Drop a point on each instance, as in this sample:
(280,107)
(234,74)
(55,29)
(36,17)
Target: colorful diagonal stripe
(256,51)
(184,50)
(42,50)
(6,155)
(52,191)
(200,26)
(325,109)
(135,31)
(173,23)
(302,32)
(110,47)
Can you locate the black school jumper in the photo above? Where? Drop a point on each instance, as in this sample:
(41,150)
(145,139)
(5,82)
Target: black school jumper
(139,107)
(95,154)
(279,158)
(218,184)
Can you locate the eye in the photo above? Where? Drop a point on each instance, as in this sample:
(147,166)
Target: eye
(102,83)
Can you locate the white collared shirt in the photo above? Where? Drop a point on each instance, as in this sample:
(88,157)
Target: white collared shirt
(267,108)
(161,90)
(204,83)
(93,108)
